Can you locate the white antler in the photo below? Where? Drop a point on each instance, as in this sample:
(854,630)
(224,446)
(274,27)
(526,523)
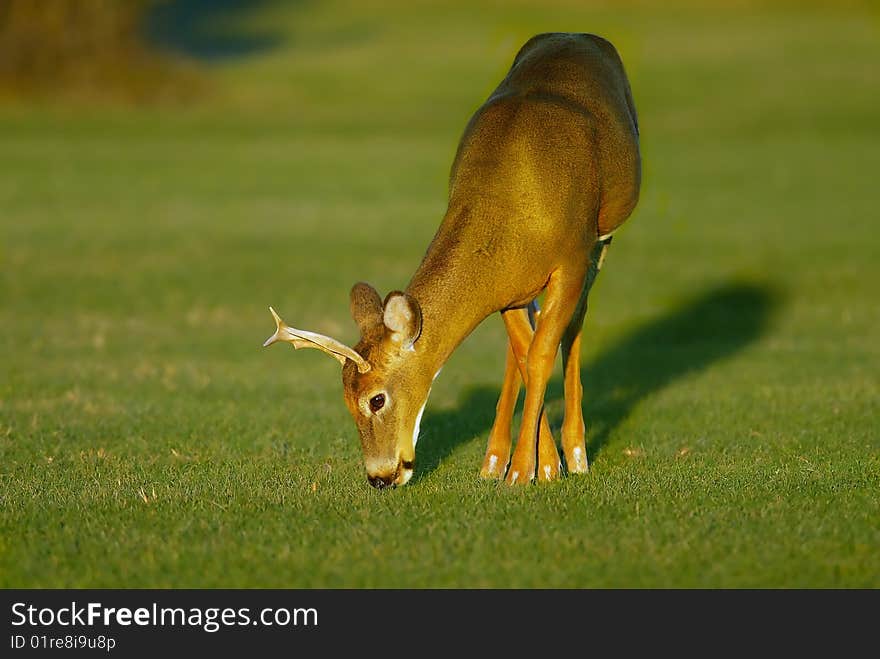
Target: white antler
(303,339)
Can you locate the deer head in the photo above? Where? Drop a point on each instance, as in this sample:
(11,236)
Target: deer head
(385,380)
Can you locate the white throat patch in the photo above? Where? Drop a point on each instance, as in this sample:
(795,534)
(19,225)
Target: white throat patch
(422,411)
(419,422)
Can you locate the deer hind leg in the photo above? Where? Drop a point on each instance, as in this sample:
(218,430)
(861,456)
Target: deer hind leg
(563,294)
(498,450)
(520,334)
(573,429)
(549,465)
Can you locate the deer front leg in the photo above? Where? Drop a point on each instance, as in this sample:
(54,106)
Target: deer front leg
(498,450)
(563,292)
(520,334)
(549,465)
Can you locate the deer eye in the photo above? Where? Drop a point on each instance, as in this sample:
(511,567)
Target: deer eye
(377,402)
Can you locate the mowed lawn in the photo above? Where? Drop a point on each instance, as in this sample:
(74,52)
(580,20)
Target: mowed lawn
(731,350)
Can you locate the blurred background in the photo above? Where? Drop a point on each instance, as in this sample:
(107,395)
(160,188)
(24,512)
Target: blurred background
(169,168)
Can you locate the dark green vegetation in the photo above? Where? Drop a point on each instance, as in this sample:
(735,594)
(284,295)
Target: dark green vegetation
(95,49)
(731,354)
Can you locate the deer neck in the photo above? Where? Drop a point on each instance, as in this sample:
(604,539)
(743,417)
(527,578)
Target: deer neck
(451,306)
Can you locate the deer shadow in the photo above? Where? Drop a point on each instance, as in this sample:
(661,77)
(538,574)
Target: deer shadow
(711,326)
(205,29)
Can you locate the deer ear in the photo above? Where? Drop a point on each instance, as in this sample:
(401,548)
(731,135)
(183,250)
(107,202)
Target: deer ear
(366,306)
(403,318)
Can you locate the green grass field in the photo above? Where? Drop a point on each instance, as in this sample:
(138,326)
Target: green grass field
(731,348)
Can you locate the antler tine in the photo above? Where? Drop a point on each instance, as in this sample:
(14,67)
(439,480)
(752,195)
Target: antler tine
(305,339)
(280,327)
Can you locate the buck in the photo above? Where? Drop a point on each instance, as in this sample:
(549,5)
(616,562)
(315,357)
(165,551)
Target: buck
(548,167)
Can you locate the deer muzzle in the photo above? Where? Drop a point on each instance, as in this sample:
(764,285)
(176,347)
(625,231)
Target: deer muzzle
(382,476)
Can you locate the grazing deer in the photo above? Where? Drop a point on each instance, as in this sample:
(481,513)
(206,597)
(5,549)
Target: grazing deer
(547,169)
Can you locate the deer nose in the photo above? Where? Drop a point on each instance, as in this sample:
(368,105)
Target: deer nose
(380,482)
